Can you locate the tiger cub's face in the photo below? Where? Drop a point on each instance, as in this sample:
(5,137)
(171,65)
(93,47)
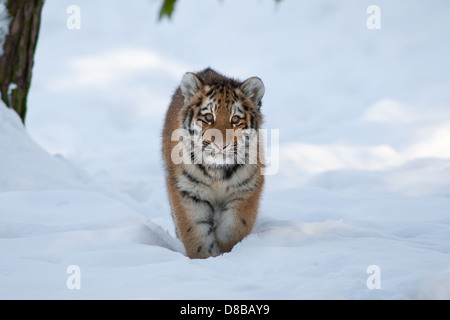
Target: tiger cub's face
(222,119)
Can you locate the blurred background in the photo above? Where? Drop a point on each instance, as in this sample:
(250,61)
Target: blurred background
(357,108)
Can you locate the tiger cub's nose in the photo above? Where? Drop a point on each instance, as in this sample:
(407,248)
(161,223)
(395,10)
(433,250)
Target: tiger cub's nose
(220,146)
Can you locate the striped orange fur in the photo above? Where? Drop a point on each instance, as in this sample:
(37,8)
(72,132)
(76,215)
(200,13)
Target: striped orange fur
(215,191)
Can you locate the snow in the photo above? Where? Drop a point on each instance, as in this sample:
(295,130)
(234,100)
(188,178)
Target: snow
(364,154)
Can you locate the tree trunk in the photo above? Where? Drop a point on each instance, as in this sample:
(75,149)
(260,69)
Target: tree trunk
(19,46)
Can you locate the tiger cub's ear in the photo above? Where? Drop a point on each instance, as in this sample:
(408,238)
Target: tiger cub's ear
(190,85)
(254,89)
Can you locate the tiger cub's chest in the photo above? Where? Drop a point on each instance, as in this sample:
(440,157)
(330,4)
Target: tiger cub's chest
(214,186)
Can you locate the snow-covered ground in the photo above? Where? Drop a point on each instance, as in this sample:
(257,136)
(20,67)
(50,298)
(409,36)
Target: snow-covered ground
(362,194)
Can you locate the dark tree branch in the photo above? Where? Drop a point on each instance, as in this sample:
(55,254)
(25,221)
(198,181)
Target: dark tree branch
(16,63)
(168,7)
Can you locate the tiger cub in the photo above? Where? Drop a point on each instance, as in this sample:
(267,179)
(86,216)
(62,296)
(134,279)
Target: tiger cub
(213,160)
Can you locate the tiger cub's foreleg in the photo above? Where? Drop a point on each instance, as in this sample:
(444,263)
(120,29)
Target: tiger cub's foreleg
(195,225)
(235,223)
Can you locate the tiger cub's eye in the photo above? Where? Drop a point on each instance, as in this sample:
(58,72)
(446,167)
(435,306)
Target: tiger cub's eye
(235,120)
(209,117)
